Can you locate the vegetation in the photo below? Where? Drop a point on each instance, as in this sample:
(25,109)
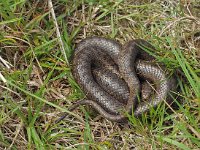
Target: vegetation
(36,85)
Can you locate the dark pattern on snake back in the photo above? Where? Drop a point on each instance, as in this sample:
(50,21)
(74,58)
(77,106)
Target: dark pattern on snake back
(111,75)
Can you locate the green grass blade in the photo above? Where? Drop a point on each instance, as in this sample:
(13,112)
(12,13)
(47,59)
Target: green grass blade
(174,142)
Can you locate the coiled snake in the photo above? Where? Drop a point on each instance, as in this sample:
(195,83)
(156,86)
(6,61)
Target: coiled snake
(115,77)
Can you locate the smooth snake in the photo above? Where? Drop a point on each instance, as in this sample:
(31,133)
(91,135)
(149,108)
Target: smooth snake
(115,77)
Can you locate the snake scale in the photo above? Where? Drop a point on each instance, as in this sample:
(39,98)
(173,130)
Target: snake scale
(117,78)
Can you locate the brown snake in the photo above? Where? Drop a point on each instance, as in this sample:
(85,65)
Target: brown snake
(111,74)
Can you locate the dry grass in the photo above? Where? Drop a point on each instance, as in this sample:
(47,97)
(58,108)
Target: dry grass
(36,83)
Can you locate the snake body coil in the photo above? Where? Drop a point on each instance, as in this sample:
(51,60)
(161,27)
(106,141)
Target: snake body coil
(111,74)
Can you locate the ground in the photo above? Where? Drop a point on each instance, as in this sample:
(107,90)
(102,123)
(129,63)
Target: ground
(36,84)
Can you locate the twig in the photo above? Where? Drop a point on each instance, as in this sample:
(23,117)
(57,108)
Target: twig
(57,30)
(7,64)
(2,78)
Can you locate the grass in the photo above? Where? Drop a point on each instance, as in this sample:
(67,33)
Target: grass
(36,84)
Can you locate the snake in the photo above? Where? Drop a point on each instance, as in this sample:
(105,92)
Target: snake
(116,77)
